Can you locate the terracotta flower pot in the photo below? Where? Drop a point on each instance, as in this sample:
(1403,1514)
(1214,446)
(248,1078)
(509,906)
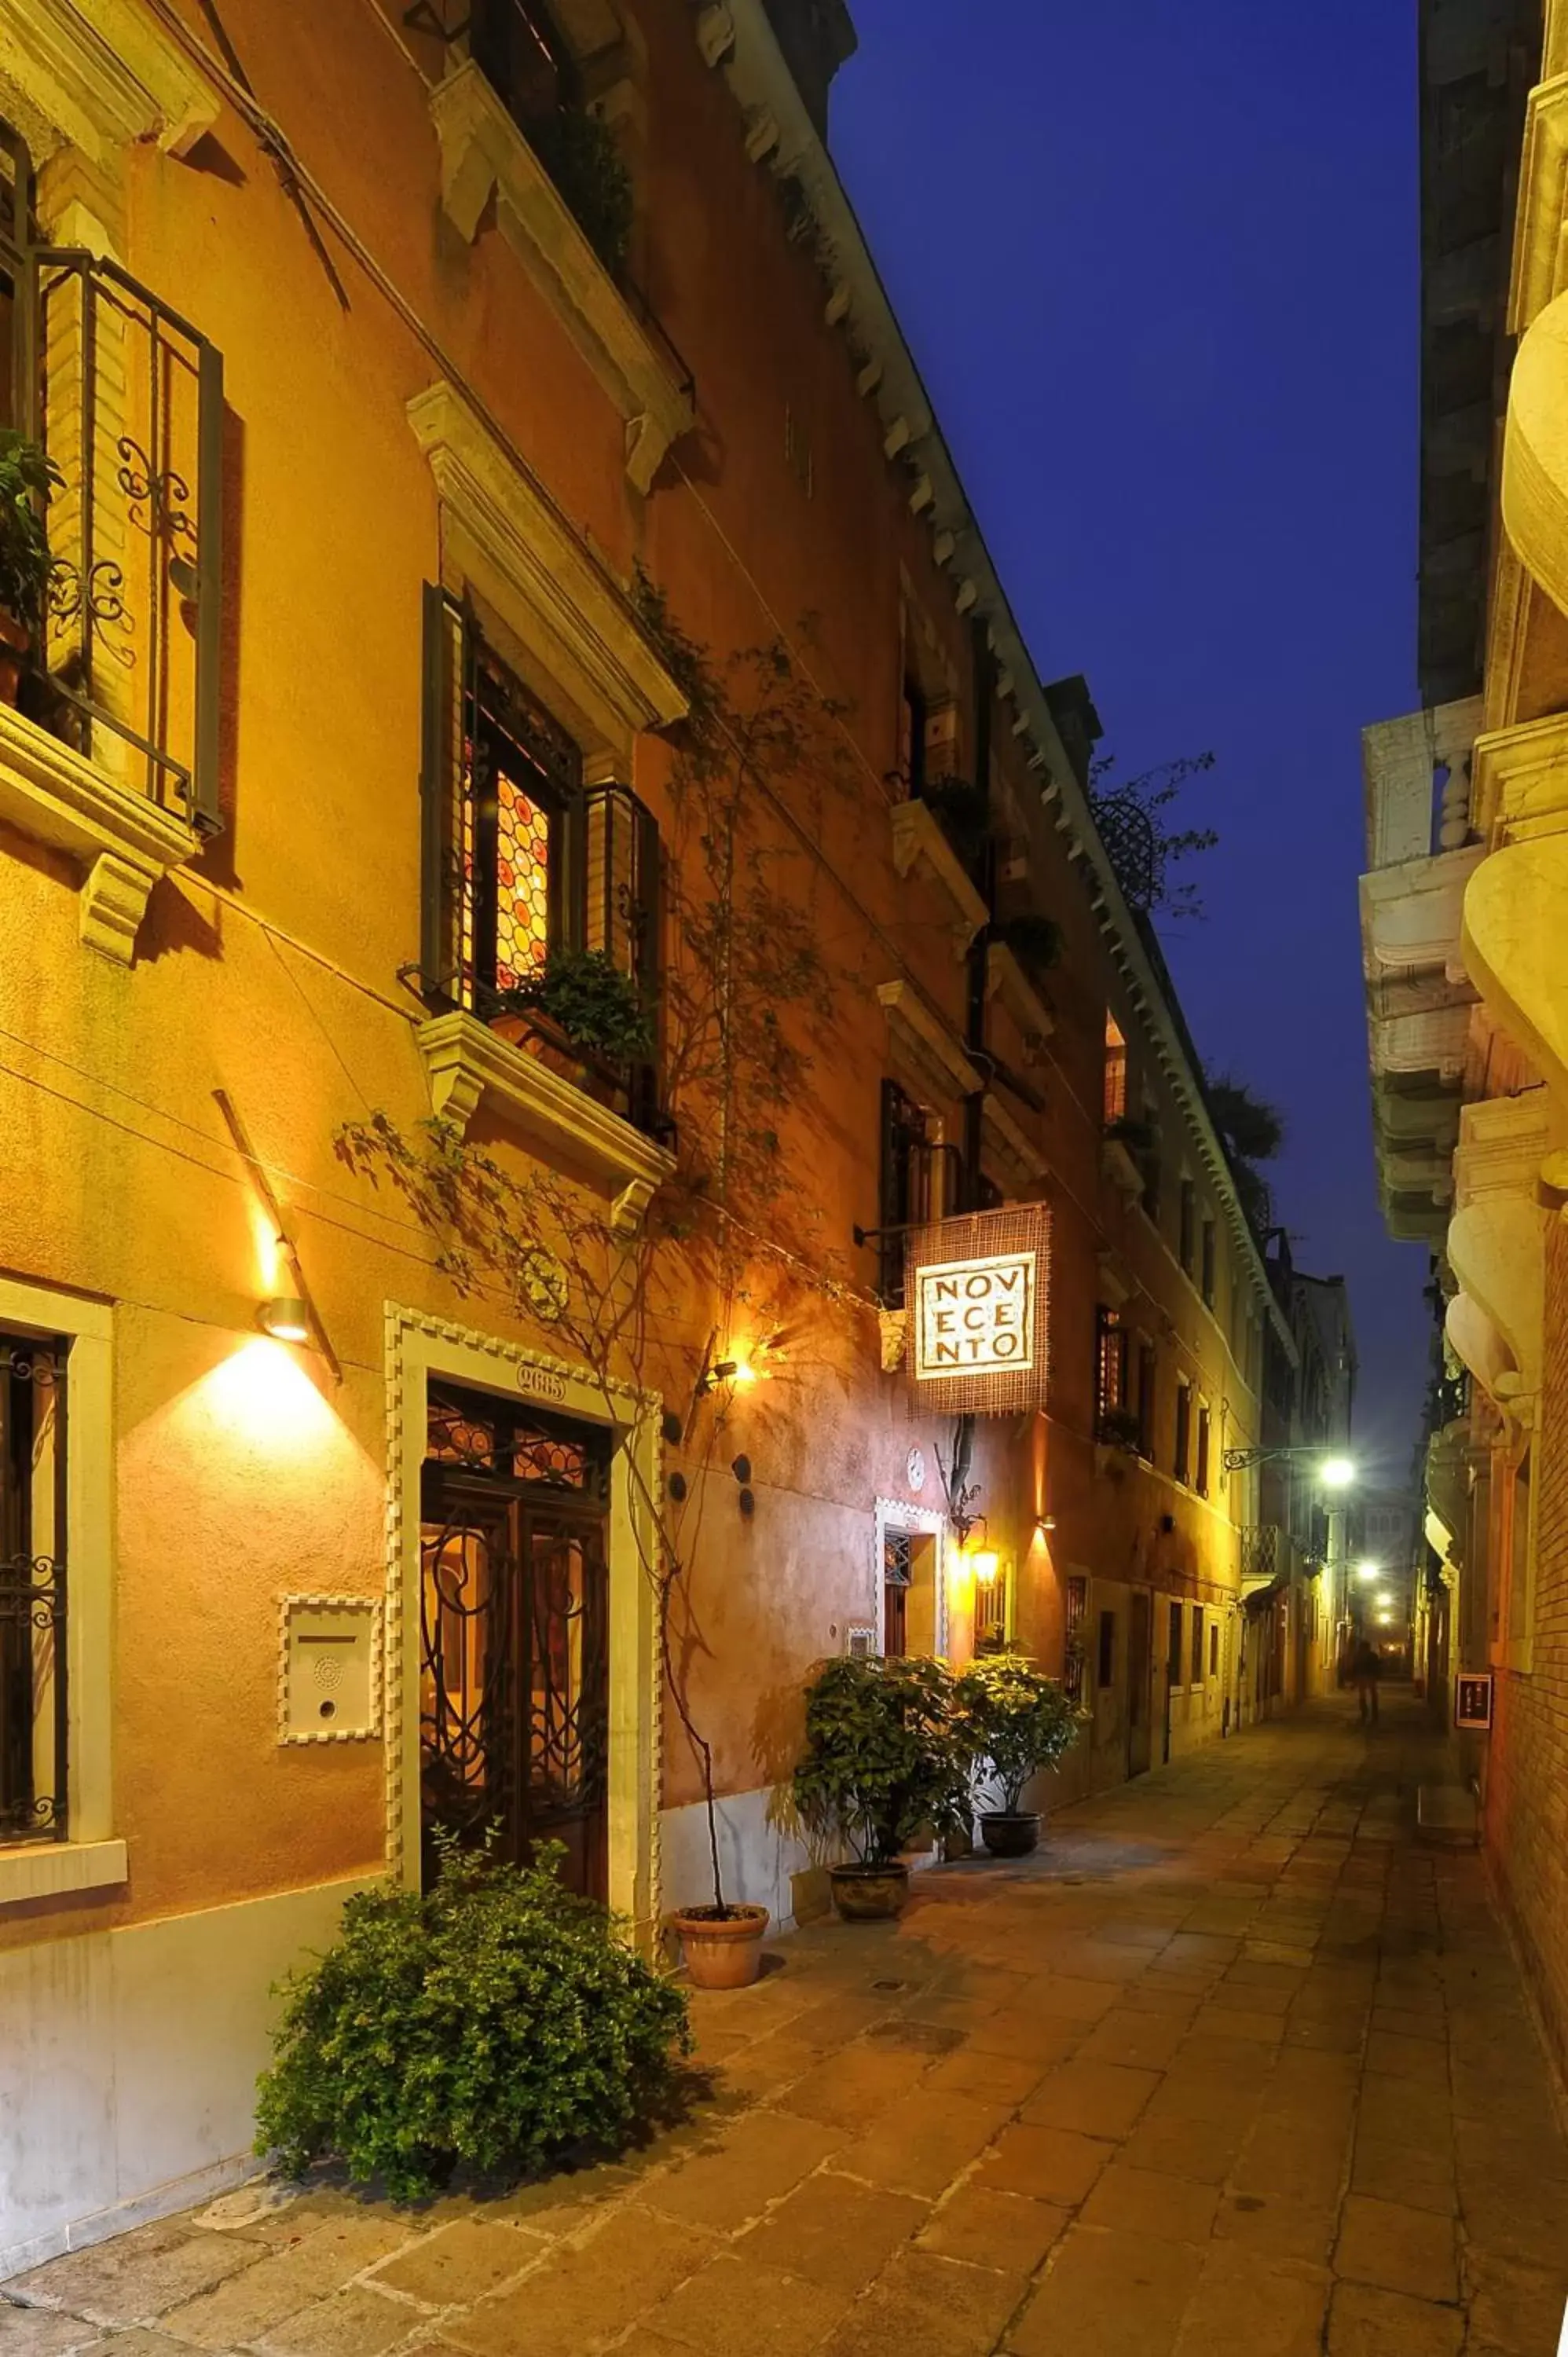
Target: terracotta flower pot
(870,1894)
(721,1952)
(1009,1834)
(15,642)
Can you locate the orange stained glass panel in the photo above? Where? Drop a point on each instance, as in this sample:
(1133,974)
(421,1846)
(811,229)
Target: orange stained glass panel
(522,884)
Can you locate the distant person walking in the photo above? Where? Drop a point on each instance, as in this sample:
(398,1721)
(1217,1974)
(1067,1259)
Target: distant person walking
(1366,1669)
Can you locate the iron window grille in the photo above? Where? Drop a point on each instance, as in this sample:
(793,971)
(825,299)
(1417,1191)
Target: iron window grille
(1073,1641)
(126,398)
(1181,1455)
(521,860)
(1109,1367)
(897,1579)
(34,1721)
(1148,1368)
(905,1192)
(1173,1655)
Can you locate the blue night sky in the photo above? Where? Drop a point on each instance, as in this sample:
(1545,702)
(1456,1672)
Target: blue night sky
(1159,267)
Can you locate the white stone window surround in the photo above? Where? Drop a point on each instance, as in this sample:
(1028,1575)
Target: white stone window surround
(93,81)
(418,1347)
(924,1522)
(483,153)
(919,842)
(90,1858)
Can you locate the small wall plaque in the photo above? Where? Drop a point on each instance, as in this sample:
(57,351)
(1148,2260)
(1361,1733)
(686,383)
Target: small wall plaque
(330,1669)
(1473,1699)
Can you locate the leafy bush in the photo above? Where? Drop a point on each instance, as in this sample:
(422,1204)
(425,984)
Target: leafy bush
(1120,1427)
(496,2020)
(599,1008)
(29,479)
(1034,941)
(882,1759)
(961,811)
(580,154)
(1012,1720)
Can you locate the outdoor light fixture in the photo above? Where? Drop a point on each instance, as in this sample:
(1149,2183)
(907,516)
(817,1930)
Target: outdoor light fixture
(987,1563)
(1045,1522)
(1368,1570)
(286,1319)
(1333,1472)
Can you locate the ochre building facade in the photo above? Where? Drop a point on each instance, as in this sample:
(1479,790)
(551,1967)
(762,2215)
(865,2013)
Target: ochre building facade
(454,582)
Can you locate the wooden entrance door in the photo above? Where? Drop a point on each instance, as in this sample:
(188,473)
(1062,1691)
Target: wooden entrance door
(514,1653)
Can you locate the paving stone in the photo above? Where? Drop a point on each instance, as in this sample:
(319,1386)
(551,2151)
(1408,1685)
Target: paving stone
(1246,2302)
(1039,2038)
(1147,2202)
(1405,2173)
(1144,2041)
(1002,2080)
(283,2281)
(918,2146)
(1278,2225)
(461,2263)
(736,2307)
(1098,2099)
(988,2229)
(851,2087)
(1049,2164)
(584,2294)
(38,2332)
(1063,1997)
(760,2155)
(1398,2248)
(136,2278)
(834,2233)
(1184,2146)
(351,2323)
(1516,2308)
(1366,2324)
(928,2306)
(1109,2295)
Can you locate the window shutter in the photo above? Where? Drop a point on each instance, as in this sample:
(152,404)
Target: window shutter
(445,943)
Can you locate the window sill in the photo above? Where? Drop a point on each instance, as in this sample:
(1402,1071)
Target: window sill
(482,151)
(53,1869)
(1005,979)
(123,842)
(1019,1162)
(1117,1163)
(919,842)
(468,1064)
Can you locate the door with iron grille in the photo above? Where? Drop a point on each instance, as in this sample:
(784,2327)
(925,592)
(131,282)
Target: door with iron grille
(514,1655)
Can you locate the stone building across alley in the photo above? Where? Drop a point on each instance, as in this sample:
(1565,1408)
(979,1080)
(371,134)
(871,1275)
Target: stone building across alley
(445,404)
(1461,936)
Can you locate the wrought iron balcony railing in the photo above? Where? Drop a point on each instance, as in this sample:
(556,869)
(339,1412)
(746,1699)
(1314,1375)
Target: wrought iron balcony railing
(126,399)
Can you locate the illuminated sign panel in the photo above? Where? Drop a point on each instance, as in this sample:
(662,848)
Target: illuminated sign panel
(977,1289)
(974,1316)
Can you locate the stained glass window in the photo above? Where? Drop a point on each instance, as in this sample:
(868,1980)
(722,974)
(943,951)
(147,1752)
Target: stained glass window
(522,883)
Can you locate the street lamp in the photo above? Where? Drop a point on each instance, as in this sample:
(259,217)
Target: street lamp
(1369,1571)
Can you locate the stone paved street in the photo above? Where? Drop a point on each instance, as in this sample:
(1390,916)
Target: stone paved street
(1232,2066)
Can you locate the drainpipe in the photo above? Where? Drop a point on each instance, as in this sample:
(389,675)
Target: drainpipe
(983,673)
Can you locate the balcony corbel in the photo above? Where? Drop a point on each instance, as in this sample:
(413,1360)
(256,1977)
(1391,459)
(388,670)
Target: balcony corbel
(483,152)
(467,1065)
(121,841)
(919,842)
(1496,1238)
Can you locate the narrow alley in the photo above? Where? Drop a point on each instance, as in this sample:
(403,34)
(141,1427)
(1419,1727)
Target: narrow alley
(1231,2065)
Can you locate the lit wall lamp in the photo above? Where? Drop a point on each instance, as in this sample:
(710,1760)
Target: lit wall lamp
(1045,1522)
(986,1563)
(287,1317)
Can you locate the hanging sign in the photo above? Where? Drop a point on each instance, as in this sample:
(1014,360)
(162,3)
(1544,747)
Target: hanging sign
(1473,1699)
(977,1289)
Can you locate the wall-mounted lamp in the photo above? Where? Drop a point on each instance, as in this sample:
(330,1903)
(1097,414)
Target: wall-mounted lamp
(1045,1522)
(985,1563)
(286,1319)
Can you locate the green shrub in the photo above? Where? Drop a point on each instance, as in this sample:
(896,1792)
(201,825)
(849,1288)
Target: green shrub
(1034,941)
(598,1007)
(28,480)
(882,1759)
(580,153)
(498,2020)
(1013,1721)
(962,812)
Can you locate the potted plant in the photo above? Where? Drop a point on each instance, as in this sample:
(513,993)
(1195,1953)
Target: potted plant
(29,479)
(1034,941)
(580,1005)
(1014,1721)
(1128,1130)
(961,809)
(883,1760)
(1120,1427)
